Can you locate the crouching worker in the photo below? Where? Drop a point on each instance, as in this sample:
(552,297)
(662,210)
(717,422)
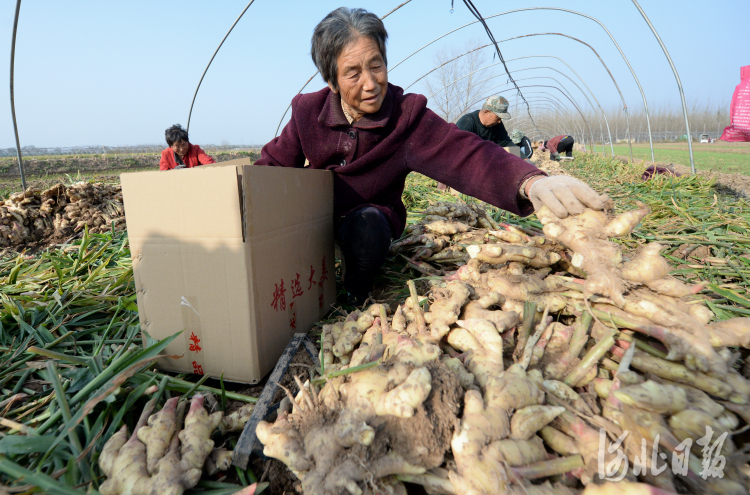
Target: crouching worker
(522,142)
(557,145)
(181,154)
(371,135)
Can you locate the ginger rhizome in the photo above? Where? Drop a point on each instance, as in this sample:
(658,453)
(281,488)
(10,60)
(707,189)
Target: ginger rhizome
(35,215)
(162,457)
(527,358)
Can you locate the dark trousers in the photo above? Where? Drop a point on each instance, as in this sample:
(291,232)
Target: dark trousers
(566,145)
(365,236)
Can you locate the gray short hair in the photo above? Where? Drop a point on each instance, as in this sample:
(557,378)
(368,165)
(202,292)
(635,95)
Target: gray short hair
(338,29)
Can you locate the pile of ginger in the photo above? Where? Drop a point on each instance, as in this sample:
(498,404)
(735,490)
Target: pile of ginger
(34,215)
(168,451)
(521,371)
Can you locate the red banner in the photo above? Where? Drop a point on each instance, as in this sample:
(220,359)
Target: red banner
(739,130)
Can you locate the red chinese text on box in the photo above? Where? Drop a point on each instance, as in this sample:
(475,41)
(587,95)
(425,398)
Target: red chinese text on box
(279,298)
(296,287)
(197,368)
(195,347)
(323,272)
(312,274)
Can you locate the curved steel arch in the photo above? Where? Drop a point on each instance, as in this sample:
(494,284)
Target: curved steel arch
(542,103)
(643,95)
(536,86)
(563,108)
(561,112)
(567,93)
(551,99)
(604,114)
(317,72)
(558,104)
(12,100)
(546,104)
(525,69)
(614,81)
(679,86)
(190,114)
(601,131)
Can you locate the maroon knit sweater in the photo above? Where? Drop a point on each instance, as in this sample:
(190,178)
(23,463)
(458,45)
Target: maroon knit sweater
(372,157)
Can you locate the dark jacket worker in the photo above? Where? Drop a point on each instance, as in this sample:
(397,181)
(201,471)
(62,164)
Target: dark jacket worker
(181,154)
(487,123)
(371,136)
(518,138)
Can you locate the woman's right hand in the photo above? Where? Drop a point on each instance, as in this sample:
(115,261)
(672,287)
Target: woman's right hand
(564,195)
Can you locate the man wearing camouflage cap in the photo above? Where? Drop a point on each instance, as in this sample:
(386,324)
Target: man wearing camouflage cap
(487,123)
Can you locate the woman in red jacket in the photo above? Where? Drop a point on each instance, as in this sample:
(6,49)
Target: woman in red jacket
(181,154)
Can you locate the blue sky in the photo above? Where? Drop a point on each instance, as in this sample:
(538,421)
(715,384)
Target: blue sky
(119,73)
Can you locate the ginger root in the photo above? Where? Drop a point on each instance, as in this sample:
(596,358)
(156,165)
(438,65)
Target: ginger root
(235,421)
(126,461)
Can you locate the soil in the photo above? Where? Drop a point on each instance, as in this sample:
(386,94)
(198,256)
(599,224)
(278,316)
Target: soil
(422,439)
(300,367)
(281,480)
(737,185)
(73,164)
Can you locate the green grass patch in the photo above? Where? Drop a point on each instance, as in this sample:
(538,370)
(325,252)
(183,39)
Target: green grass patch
(724,160)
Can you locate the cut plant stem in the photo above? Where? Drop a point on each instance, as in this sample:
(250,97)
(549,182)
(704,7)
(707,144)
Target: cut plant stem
(529,310)
(195,386)
(626,360)
(421,325)
(531,342)
(580,335)
(677,373)
(179,385)
(590,359)
(553,467)
(322,379)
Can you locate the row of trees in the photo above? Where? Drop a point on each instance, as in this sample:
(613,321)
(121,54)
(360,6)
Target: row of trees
(465,77)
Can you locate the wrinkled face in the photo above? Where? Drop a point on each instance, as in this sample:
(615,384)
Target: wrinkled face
(362,77)
(490,119)
(181,147)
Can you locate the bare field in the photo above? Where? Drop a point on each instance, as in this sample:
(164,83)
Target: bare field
(43,172)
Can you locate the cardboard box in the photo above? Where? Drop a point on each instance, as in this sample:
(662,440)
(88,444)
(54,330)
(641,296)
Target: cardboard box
(237,257)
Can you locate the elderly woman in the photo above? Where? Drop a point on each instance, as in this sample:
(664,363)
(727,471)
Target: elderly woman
(372,135)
